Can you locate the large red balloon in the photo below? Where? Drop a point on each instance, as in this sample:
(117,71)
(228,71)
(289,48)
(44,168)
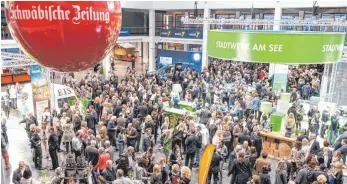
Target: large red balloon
(63,35)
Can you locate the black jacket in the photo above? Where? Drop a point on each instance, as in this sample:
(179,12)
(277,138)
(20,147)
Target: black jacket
(192,143)
(265,178)
(143,110)
(53,142)
(35,141)
(91,121)
(241,171)
(315,147)
(92,155)
(109,174)
(215,163)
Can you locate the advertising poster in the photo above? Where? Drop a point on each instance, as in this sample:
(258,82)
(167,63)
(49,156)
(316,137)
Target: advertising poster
(40,109)
(188,59)
(40,87)
(177,33)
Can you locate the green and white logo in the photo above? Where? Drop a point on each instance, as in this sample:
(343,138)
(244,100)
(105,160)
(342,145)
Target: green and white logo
(276,47)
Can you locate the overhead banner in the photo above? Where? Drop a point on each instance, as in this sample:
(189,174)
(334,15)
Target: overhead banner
(176,33)
(276,47)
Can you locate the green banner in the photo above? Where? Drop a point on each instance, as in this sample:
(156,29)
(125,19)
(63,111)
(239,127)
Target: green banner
(276,47)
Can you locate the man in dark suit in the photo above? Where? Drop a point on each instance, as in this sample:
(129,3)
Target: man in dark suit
(131,135)
(137,125)
(191,144)
(91,121)
(92,154)
(205,115)
(53,144)
(118,109)
(36,144)
(343,150)
(143,110)
(314,144)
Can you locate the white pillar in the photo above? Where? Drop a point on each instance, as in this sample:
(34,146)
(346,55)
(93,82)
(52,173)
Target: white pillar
(145,52)
(151,62)
(185,47)
(139,49)
(205,37)
(277,16)
(106,65)
(278,70)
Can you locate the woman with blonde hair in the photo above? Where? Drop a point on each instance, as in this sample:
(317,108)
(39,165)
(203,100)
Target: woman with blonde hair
(217,138)
(164,170)
(290,125)
(175,173)
(156,177)
(186,174)
(166,124)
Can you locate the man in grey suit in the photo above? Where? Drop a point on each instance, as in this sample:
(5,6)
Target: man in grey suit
(92,154)
(205,115)
(17,174)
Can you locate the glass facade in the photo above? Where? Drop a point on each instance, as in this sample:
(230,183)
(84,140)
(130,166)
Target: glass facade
(289,17)
(225,16)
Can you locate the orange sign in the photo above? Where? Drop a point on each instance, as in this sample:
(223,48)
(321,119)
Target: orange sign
(205,163)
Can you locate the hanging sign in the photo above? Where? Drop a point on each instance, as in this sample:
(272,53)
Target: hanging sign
(177,33)
(276,47)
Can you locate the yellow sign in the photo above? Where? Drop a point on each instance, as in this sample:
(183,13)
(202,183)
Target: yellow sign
(205,163)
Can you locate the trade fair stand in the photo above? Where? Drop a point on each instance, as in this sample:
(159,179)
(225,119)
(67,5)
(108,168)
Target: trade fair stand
(280,49)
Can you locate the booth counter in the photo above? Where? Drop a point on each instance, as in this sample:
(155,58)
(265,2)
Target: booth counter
(277,145)
(176,114)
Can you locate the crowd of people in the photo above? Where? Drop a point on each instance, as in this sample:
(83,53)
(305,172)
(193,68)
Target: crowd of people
(127,137)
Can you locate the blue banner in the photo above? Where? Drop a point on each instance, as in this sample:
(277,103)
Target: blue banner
(124,32)
(188,59)
(176,33)
(35,73)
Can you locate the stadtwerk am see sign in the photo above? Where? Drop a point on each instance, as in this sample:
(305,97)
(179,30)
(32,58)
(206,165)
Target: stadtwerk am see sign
(276,47)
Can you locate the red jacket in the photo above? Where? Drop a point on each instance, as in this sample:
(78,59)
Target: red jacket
(102,161)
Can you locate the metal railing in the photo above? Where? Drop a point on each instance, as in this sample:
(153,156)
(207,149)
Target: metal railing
(133,31)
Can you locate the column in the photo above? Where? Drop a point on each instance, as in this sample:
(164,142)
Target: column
(301,17)
(145,52)
(185,47)
(106,65)
(206,27)
(278,71)
(151,58)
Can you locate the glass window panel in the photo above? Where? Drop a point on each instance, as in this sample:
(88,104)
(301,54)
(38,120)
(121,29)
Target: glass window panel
(289,17)
(268,17)
(340,28)
(324,28)
(308,28)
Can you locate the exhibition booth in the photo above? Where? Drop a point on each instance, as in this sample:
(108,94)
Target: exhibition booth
(279,49)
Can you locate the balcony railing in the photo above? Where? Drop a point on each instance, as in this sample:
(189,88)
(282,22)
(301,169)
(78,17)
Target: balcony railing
(135,31)
(132,31)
